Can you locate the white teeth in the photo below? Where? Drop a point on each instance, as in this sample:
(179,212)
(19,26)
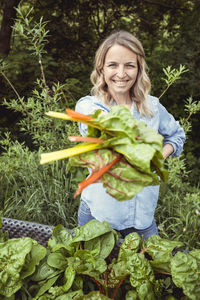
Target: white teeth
(120,83)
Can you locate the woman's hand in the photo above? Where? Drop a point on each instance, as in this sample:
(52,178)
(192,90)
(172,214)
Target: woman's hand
(167,150)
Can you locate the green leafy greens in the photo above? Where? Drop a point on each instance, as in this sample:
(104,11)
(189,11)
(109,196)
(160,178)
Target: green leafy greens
(140,146)
(122,153)
(90,263)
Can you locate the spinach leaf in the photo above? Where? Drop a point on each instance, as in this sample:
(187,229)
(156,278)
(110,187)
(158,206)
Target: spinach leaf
(104,244)
(61,238)
(33,258)
(90,230)
(46,286)
(44,271)
(185,270)
(13,260)
(57,260)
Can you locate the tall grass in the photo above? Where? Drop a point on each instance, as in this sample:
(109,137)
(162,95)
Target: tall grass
(38,193)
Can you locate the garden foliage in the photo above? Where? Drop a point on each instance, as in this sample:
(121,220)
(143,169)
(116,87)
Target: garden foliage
(90,263)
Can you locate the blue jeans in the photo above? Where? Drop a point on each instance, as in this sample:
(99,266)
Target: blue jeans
(84,216)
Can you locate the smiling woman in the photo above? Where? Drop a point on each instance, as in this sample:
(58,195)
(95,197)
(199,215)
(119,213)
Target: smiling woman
(120,78)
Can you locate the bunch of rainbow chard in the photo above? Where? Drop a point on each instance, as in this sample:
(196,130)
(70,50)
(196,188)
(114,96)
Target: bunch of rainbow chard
(121,152)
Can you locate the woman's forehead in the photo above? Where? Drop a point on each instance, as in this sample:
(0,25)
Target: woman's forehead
(122,53)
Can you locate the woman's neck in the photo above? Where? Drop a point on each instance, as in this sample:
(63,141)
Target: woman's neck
(124,100)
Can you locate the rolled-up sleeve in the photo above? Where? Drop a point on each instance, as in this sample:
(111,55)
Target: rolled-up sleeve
(84,106)
(87,106)
(171,130)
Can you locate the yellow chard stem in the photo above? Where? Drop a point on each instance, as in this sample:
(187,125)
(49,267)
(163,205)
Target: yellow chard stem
(53,156)
(58,115)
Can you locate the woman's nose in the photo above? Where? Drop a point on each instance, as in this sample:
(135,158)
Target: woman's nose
(121,72)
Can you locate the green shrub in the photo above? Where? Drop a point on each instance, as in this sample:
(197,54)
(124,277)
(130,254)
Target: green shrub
(178,211)
(28,190)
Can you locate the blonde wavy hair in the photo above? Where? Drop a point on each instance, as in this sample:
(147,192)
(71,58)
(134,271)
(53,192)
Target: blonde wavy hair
(141,87)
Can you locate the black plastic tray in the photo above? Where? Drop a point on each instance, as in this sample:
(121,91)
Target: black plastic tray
(17,229)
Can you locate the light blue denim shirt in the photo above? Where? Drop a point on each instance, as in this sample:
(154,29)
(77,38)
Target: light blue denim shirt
(139,211)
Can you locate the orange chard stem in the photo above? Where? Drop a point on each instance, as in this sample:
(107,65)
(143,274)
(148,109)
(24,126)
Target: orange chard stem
(95,176)
(76,115)
(85,139)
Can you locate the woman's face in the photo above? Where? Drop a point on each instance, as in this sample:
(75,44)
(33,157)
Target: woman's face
(120,70)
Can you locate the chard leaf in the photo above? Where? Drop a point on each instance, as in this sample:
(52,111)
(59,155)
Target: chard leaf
(118,122)
(130,245)
(13,254)
(123,180)
(58,294)
(139,155)
(103,244)
(77,283)
(60,235)
(145,291)
(157,162)
(122,190)
(68,296)
(93,244)
(195,253)
(117,271)
(142,276)
(92,159)
(185,271)
(85,262)
(161,252)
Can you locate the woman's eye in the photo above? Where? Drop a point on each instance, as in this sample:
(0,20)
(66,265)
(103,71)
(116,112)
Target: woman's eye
(131,66)
(111,65)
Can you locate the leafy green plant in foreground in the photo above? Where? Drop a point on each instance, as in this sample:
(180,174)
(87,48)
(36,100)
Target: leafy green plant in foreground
(87,263)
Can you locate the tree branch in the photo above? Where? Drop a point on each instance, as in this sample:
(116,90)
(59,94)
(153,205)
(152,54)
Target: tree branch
(9,15)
